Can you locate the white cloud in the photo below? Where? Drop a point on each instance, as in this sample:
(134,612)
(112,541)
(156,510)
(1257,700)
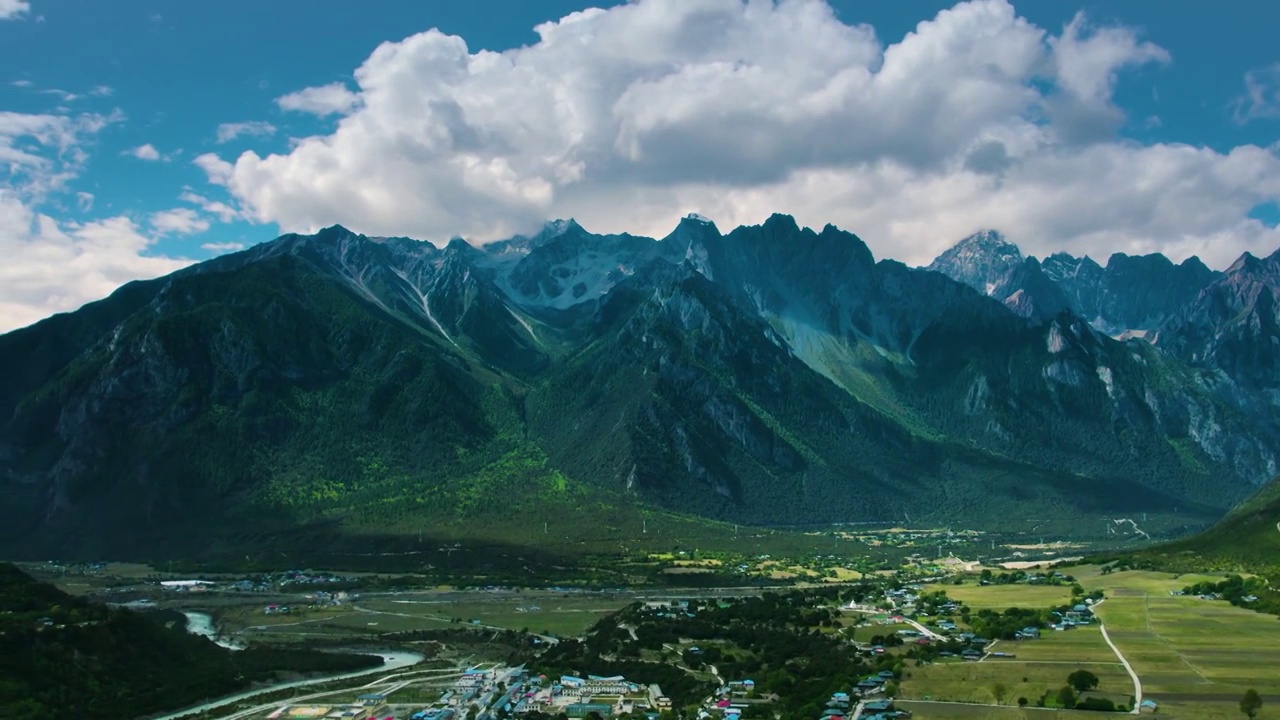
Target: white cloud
(223,211)
(218,171)
(42,152)
(22,83)
(178,221)
(223,247)
(331,99)
(1261,97)
(256,128)
(629,117)
(144,152)
(50,268)
(62,95)
(13,9)
(102,91)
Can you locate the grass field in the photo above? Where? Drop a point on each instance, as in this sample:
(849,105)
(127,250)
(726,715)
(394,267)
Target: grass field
(999,597)
(556,616)
(1194,657)
(975,682)
(957,711)
(548,613)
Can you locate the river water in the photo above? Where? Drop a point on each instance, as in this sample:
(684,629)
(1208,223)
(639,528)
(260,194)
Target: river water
(202,624)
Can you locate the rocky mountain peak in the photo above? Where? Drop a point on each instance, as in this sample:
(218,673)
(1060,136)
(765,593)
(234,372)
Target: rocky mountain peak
(982,261)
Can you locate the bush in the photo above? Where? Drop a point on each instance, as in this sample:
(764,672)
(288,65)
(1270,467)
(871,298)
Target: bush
(1094,703)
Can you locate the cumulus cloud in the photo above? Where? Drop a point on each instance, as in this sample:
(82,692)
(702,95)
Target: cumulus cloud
(1261,98)
(627,118)
(331,99)
(218,171)
(178,221)
(255,128)
(14,9)
(52,268)
(144,152)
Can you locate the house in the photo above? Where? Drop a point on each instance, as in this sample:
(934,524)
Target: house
(869,686)
(878,706)
(971,654)
(1028,633)
(1148,707)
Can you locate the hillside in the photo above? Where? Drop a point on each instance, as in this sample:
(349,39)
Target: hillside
(65,657)
(343,395)
(1246,539)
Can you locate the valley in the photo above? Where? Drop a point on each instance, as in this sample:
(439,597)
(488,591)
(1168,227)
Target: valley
(943,644)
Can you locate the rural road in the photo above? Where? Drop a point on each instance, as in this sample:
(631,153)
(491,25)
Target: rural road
(1137,684)
(923,630)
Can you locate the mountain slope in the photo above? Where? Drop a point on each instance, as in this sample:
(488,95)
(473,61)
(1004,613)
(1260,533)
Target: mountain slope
(1233,325)
(339,391)
(65,656)
(1246,539)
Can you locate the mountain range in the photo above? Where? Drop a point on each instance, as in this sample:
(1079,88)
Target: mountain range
(337,389)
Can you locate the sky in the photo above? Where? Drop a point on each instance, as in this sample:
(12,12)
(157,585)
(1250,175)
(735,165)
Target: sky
(140,136)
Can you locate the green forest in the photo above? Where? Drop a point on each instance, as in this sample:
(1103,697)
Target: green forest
(62,656)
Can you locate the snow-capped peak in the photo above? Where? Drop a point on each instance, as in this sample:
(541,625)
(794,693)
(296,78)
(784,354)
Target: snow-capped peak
(698,217)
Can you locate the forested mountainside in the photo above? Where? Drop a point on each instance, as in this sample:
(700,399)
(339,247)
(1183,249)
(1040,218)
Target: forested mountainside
(67,657)
(341,390)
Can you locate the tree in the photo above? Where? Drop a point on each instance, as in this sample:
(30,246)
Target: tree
(891,689)
(1022,702)
(1066,697)
(999,690)
(1251,703)
(1082,680)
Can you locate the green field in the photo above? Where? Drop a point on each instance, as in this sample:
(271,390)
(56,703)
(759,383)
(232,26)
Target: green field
(555,616)
(1194,657)
(999,597)
(540,613)
(974,682)
(958,711)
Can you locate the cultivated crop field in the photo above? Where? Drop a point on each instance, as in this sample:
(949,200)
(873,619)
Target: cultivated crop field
(1195,657)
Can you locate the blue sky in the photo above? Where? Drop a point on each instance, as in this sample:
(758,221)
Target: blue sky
(1161,103)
